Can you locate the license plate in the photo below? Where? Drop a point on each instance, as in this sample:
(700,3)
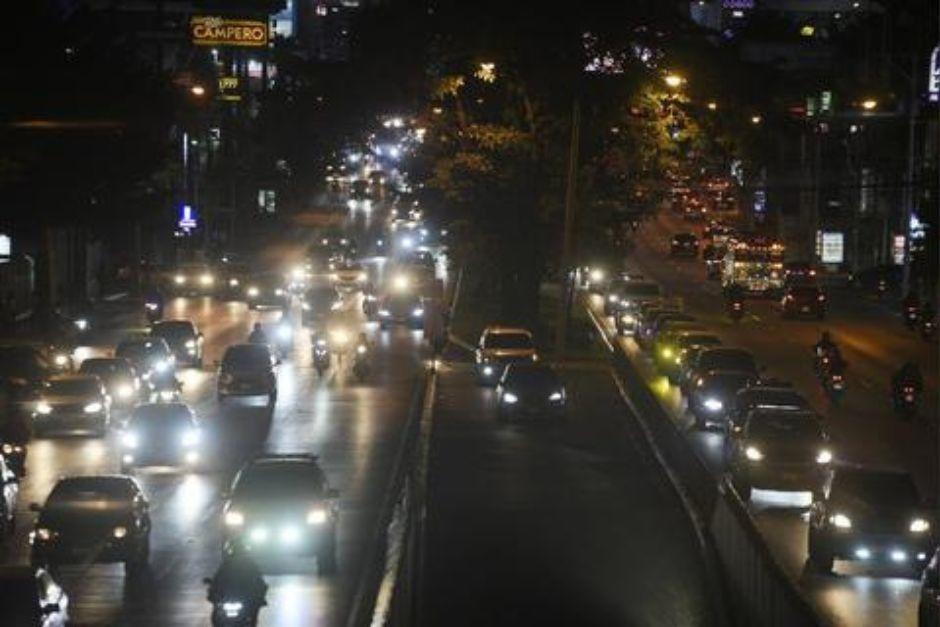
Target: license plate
(805,310)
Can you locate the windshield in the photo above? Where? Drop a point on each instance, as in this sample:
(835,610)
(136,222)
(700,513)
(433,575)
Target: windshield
(282,481)
(105,367)
(507,341)
(784,427)
(250,356)
(640,289)
(177,330)
(727,360)
(72,387)
(89,489)
(531,377)
(140,350)
(878,490)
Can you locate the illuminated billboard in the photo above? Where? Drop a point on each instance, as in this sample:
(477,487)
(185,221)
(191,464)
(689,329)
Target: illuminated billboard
(221,32)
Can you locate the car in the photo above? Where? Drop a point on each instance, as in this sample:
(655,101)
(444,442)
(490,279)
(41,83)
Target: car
(928,607)
(684,245)
(248,370)
(650,332)
(404,307)
(160,434)
(636,292)
(530,389)
(721,358)
(30,597)
(267,291)
(93,518)
(782,451)
(803,300)
(795,272)
(193,279)
(118,376)
(72,402)
(595,278)
(9,494)
(233,277)
(632,322)
(766,395)
(675,350)
(871,515)
(150,356)
(317,303)
(283,505)
(711,398)
(183,338)
(666,332)
(500,346)
(349,276)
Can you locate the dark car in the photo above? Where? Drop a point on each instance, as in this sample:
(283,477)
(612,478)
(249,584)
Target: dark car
(650,332)
(24,365)
(72,402)
(9,493)
(118,376)
(161,434)
(267,291)
(530,389)
(193,279)
(803,300)
(874,516)
(283,505)
(233,276)
(713,395)
(673,355)
(95,518)
(766,397)
(796,272)
(317,303)
(401,308)
(248,370)
(720,358)
(30,597)
(151,357)
(928,608)
(183,338)
(782,451)
(684,245)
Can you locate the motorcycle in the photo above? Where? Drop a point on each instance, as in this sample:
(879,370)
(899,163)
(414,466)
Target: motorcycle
(906,400)
(736,310)
(154,311)
(234,611)
(881,289)
(928,329)
(321,356)
(911,316)
(361,363)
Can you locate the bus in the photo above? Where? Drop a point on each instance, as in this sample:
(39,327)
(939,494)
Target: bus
(754,263)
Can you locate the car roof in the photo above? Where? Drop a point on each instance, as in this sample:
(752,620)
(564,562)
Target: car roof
(499,330)
(772,412)
(178,322)
(79,377)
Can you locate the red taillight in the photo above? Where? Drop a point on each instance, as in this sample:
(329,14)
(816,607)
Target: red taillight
(837,377)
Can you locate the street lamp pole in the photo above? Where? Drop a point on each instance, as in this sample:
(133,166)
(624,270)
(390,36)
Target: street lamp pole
(567,271)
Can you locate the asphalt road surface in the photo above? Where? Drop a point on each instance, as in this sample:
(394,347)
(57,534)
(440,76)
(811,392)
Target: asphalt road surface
(864,426)
(553,523)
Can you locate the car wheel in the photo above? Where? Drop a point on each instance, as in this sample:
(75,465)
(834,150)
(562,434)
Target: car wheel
(136,564)
(272,399)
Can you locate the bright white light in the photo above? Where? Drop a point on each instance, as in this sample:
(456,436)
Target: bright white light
(919,525)
(259,535)
(597,275)
(488,370)
(192,457)
(290,535)
(898,556)
(612,298)
(284,332)
(233,282)
(190,343)
(253,292)
(316,516)
(160,366)
(361,349)
(234,519)
(862,553)
(206,279)
(841,521)
(510,399)
(179,279)
(119,532)
(167,395)
(555,397)
(232,608)
(713,404)
(81,324)
(418,312)
(407,242)
(129,440)
(824,457)
(61,360)
(753,454)
(191,437)
(44,408)
(128,459)
(93,408)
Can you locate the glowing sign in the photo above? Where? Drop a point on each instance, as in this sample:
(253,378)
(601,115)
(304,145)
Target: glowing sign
(933,79)
(187,221)
(217,31)
(6,245)
(833,247)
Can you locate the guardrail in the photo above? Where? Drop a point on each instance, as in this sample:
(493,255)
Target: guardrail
(759,590)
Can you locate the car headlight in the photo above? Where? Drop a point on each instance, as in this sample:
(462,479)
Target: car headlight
(317,516)
(129,440)
(597,275)
(81,324)
(6,448)
(179,279)
(612,298)
(161,365)
(119,532)
(418,312)
(284,332)
(666,353)
(713,404)
(190,343)
(510,399)
(488,370)
(556,396)
(334,277)
(93,408)
(151,306)
(43,533)
(753,453)
(206,279)
(919,525)
(234,518)
(233,282)
(305,306)
(232,608)
(44,408)
(824,457)
(61,359)
(278,292)
(385,313)
(125,390)
(841,521)
(190,437)
(253,292)
(361,349)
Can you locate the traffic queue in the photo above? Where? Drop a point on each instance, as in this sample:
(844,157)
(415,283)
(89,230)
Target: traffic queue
(773,440)
(131,394)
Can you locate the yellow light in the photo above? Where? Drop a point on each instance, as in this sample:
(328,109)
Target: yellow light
(712,106)
(756,119)
(486,72)
(437,110)
(807,30)
(869,104)
(198,90)
(674,80)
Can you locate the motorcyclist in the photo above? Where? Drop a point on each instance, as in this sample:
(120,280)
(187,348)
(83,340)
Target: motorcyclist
(362,341)
(911,302)
(826,347)
(908,374)
(257,335)
(238,577)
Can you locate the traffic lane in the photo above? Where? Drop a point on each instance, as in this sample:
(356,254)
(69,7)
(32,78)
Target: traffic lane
(856,596)
(864,423)
(356,429)
(566,523)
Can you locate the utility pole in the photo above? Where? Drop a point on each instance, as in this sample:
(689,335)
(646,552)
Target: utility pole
(909,195)
(571,193)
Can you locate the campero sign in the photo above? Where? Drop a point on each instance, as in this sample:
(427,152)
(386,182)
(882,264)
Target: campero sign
(216,31)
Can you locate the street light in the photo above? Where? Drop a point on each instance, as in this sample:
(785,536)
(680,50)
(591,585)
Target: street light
(712,106)
(869,104)
(198,90)
(756,119)
(486,72)
(674,80)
